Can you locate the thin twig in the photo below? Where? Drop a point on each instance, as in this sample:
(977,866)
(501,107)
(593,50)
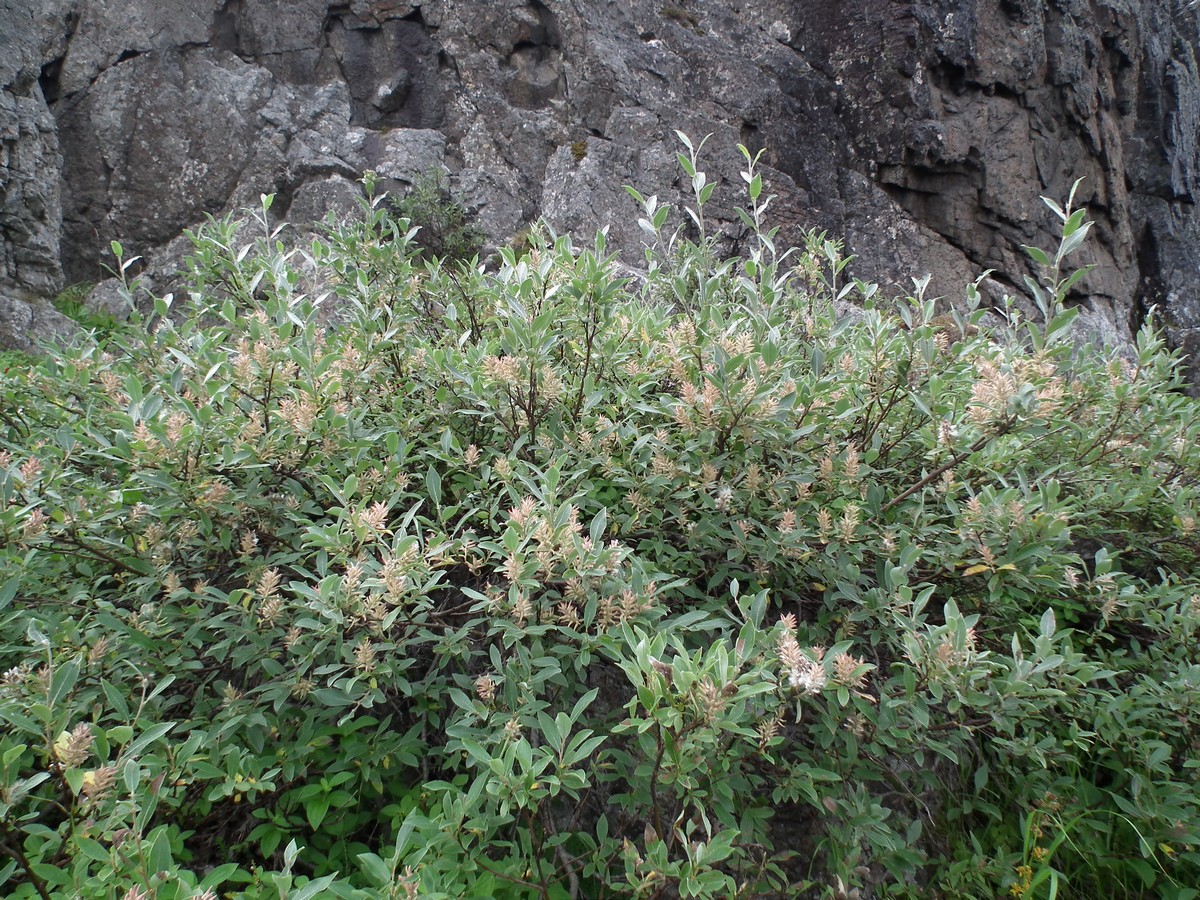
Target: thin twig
(946,467)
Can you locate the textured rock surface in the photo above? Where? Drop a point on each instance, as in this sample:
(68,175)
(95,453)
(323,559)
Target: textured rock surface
(30,175)
(921,132)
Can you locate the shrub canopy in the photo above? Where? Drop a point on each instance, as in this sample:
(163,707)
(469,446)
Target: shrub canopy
(357,575)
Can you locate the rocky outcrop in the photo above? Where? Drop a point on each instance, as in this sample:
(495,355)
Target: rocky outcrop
(920,132)
(30,175)
(212,132)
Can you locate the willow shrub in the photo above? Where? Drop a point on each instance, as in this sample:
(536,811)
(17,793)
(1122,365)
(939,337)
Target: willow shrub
(367,577)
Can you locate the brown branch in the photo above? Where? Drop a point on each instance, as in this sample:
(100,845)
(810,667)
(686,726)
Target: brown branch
(947,466)
(14,850)
(71,540)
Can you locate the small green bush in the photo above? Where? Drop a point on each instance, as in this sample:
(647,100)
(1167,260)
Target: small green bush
(680,15)
(528,583)
(72,303)
(444,231)
(11,360)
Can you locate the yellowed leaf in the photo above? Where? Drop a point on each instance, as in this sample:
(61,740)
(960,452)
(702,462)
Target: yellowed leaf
(975,570)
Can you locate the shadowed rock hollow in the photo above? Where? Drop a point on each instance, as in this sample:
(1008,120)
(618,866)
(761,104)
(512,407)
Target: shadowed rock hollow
(921,132)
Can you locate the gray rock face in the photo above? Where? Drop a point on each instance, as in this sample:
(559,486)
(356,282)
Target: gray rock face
(25,324)
(30,164)
(919,132)
(30,175)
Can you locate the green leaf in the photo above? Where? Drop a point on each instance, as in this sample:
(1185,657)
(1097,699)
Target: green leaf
(1047,625)
(583,703)
(63,682)
(375,869)
(74,779)
(9,590)
(35,635)
(315,810)
(161,858)
(981,777)
(1038,255)
(132,775)
(149,736)
(433,483)
(312,889)
(1071,244)
(1055,208)
(599,523)
(550,731)
(93,850)
(120,734)
(1072,225)
(476,751)
(220,874)
(1074,278)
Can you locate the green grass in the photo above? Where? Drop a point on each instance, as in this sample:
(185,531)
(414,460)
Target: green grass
(72,303)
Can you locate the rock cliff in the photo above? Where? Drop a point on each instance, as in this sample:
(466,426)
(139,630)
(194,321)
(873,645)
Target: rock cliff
(919,131)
